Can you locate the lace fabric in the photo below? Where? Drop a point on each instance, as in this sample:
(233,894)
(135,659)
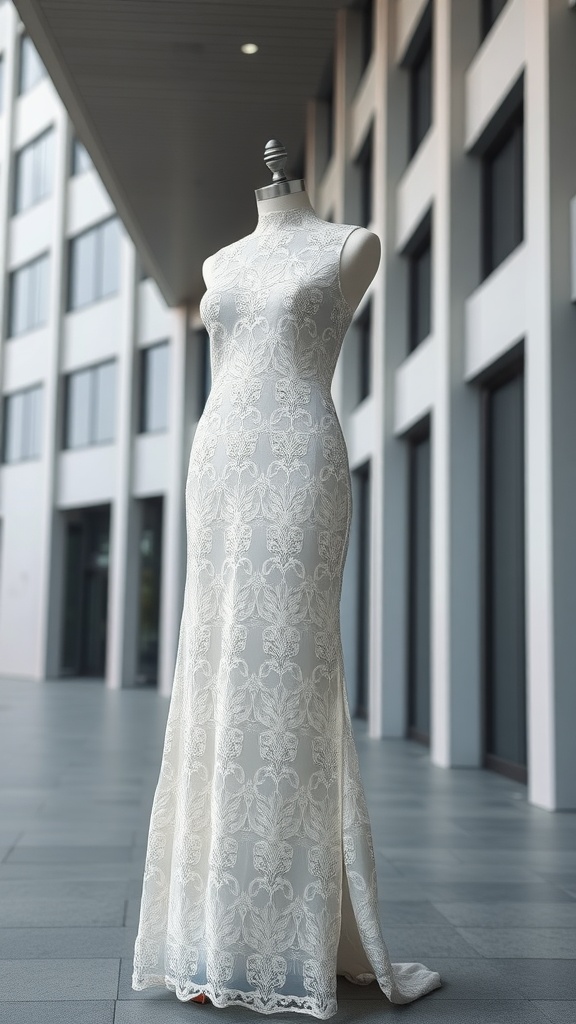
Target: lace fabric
(260,883)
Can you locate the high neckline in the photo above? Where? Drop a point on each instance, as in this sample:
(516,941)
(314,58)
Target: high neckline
(270,219)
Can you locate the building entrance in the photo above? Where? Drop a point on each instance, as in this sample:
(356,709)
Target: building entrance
(86,553)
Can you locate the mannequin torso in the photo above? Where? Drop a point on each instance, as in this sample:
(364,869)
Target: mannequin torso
(360,255)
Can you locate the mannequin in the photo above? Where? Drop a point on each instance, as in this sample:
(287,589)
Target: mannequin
(361,252)
(260,882)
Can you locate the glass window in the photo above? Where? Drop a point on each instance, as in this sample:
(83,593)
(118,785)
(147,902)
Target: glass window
(205,375)
(94,270)
(1,83)
(22,424)
(82,269)
(421,93)
(81,160)
(32,69)
(490,12)
(364,329)
(365,168)
(104,402)
(420,291)
(33,420)
(33,171)
(90,405)
(109,258)
(154,389)
(419,560)
(503,194)
(367,31)
(28,296)
(78,409)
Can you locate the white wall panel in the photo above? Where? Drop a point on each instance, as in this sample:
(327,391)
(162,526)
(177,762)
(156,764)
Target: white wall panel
(91,334)
(26,359)
(31,233)
(495,68)
(86,476)
(496,313)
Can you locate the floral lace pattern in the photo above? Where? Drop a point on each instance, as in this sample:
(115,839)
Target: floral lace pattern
(260,882)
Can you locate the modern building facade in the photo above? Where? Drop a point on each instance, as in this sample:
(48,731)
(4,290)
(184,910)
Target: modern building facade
(447,127)
(96,411)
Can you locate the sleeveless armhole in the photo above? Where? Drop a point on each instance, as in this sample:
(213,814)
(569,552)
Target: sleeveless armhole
(355,227)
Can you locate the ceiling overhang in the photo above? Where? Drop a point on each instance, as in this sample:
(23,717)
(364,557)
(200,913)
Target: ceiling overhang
(176,117)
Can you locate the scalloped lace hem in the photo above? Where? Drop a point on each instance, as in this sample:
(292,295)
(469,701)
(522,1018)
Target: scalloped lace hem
(230,997)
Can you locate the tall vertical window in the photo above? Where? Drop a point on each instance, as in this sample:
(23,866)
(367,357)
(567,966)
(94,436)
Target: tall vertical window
(1,83)
(32,69)
(326,111)
(367,39)
(420,288)
(364,335)
(34,171)
(205,374)
(94,264)
(90,405)
(418,619)
(22,425)
(490,11)
(421,83)
(504,592)
(365,163)
(503,193)
(81,160)
(154,388)
(361,481)
(28,296)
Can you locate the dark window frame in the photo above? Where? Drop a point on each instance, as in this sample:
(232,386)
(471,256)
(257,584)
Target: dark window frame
(30,145)
(489,16)
(367,34)
(6,398)
(420,433)
(422,51)
(509,367)
(92,369)
(25,40)
(143,410)
(365,168)
(97,230)
(75,152)
(364,323)
(512,131)
(422,242)
(10,332)
(363,476)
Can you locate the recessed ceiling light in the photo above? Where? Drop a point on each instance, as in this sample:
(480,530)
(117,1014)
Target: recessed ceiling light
(249,48)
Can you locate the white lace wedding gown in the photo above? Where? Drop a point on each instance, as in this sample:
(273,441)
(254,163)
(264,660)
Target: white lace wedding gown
(260,883)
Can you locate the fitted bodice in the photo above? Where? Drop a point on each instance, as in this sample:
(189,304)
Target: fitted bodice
(274,307)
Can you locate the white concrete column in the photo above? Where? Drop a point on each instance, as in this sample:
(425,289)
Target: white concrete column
(174,536)
(121,631)
(390,349)
(455,637)
(562,117)
(538,416)
(550,410)
(51,567)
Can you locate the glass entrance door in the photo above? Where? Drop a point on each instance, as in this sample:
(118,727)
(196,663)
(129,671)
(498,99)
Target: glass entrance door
(87,537)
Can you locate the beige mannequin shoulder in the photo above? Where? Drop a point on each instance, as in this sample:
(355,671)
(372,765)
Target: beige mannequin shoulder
(359,261)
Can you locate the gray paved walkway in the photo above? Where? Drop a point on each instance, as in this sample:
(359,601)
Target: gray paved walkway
(473,881)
